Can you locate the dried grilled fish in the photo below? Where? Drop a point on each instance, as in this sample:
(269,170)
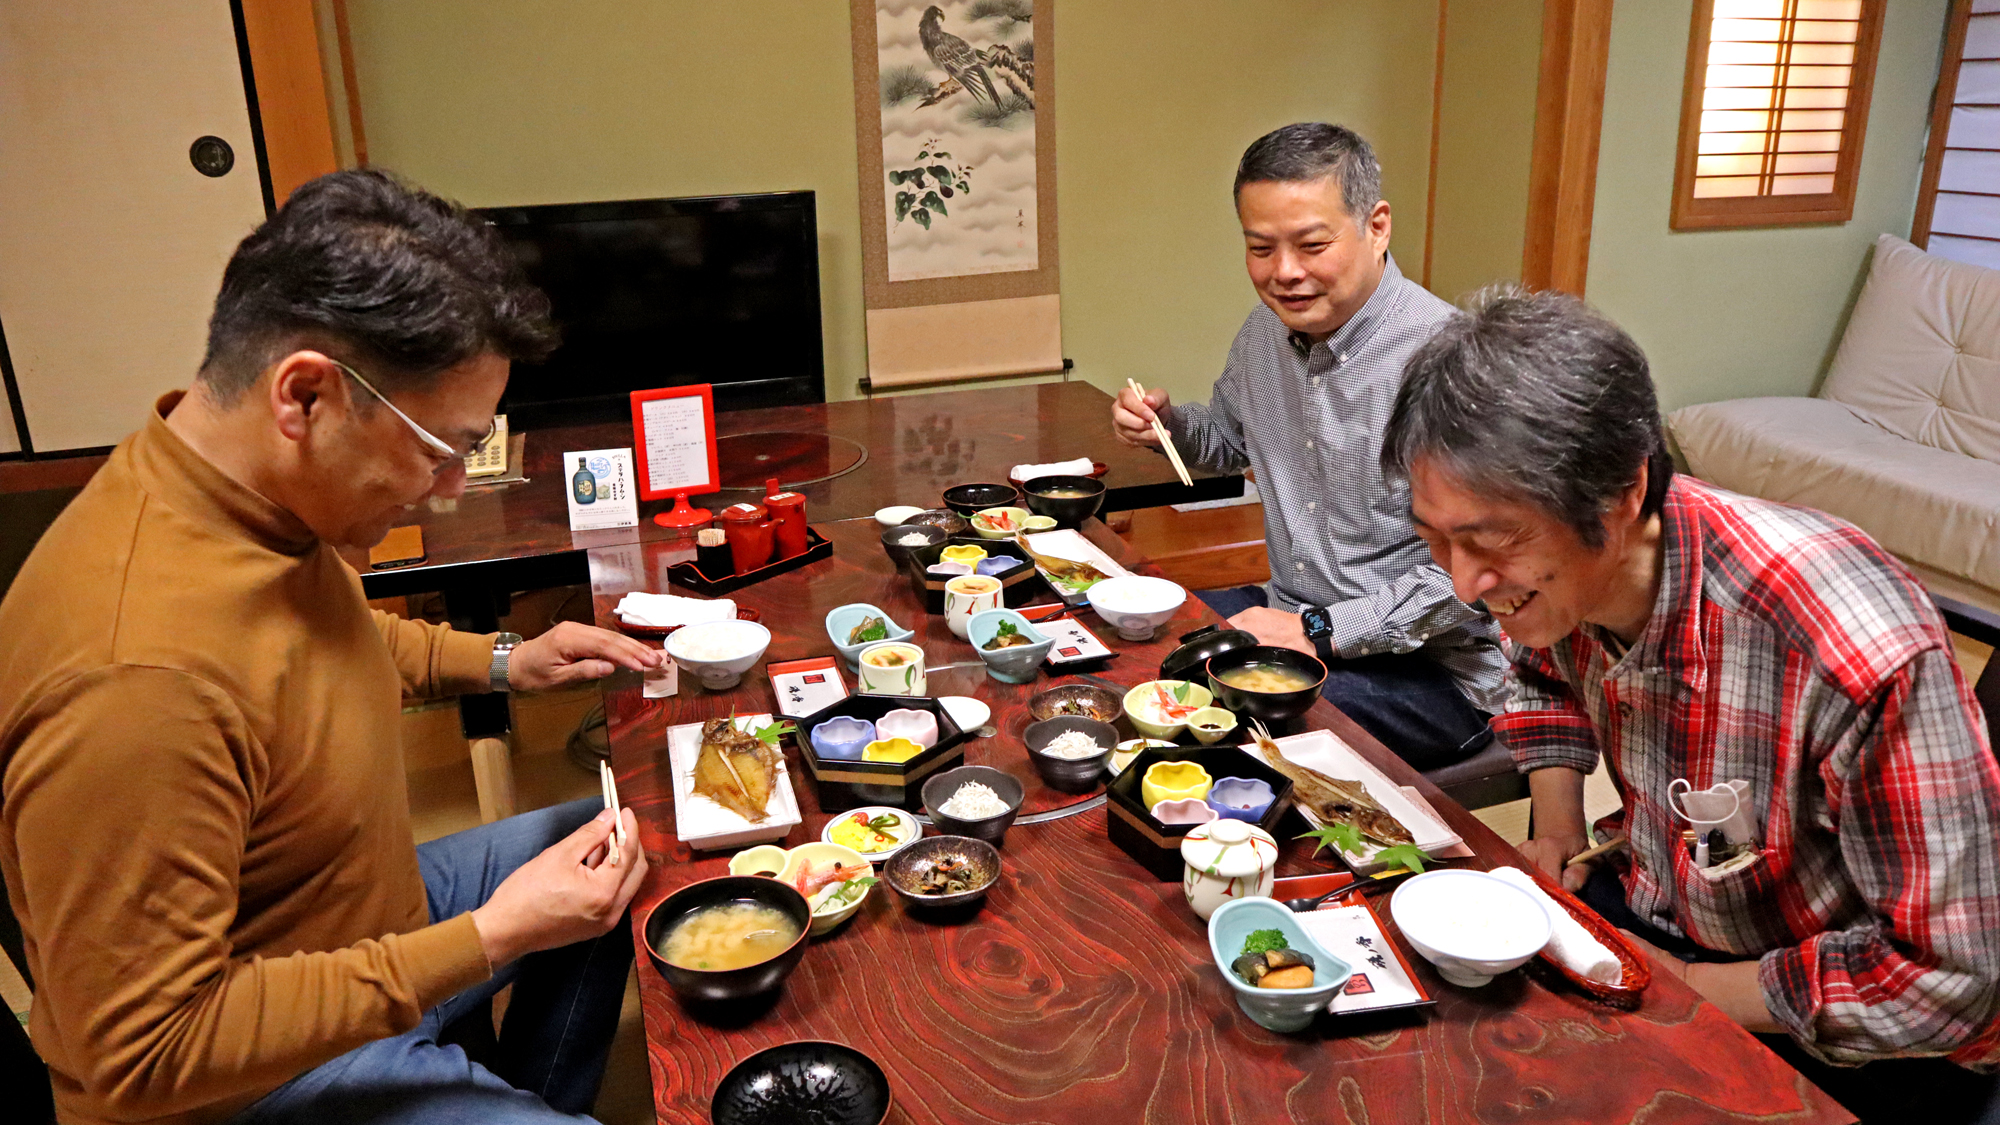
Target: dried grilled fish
(1067,569)
(1331,799)
(736,770)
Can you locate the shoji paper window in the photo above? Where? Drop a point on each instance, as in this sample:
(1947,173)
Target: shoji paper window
(1958,207)
(1774,110)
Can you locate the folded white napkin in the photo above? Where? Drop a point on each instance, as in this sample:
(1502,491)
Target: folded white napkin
(1080,467)
(661,611)
(1569,942)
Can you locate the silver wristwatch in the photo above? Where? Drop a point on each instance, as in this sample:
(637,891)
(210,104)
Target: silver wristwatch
(503,648)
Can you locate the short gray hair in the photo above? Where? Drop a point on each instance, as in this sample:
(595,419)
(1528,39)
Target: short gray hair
(1310,151)
(1535,397)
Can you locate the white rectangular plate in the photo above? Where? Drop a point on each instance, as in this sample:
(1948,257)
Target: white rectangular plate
(700,822)
(1071,545)
(1322,750)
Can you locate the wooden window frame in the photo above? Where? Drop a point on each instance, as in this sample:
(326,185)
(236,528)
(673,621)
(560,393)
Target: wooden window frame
(1941,107)
(1837,206)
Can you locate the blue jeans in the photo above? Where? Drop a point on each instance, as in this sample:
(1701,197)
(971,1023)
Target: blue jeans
(550,1054)
(1405,700)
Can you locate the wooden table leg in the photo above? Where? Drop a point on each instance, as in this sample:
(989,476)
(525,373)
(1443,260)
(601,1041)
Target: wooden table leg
(493,777)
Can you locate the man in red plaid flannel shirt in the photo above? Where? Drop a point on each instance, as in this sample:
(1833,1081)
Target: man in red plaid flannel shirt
(1687,632)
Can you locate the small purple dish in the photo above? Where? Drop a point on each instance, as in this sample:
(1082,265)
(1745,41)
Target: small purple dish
(1240,798)
(842,736)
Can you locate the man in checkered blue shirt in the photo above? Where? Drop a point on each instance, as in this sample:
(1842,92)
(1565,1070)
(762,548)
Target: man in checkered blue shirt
(1303,400)
(1684,632)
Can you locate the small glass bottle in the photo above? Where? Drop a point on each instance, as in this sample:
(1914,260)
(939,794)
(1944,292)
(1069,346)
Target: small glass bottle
(584,484)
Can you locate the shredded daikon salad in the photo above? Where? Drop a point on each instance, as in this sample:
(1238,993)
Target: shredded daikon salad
(1072,744)
(975,800)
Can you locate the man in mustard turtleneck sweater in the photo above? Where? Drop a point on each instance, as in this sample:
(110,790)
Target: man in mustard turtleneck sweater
(203,823)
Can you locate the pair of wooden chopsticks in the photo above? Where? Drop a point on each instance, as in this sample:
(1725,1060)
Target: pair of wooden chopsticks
(1166,439)
(610,786)
(1605,848)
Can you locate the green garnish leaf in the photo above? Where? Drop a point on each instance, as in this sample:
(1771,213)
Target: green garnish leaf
(885,824)
(1342,837)
(772,733)
(1264,941)
(1181,692)
(1006,629)
(1403,856)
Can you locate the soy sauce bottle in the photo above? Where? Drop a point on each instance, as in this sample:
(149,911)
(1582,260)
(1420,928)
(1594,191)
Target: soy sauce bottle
(584,484)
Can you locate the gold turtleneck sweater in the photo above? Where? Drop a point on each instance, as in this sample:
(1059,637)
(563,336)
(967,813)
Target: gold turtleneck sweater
(203,822)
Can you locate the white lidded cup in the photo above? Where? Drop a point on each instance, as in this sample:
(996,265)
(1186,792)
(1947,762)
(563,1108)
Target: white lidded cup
(891,668)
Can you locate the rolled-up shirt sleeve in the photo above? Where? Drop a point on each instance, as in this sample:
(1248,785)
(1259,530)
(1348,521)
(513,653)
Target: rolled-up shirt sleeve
(1912,799)
(1543,724)
(1400,616)
(1210,435)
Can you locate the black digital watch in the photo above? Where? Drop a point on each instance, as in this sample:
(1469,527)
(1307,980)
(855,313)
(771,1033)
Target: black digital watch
(1319,630)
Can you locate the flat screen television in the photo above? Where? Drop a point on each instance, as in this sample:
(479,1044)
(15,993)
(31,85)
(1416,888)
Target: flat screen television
(665,292)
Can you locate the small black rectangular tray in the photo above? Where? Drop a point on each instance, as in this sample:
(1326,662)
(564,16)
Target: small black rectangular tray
(1019,584)
(1157,846)
(849,783)
(689,575)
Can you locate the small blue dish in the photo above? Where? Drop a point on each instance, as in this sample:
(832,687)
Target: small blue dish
(1241,798)
(842,736)
(995,564)
(840,623)
(1017,664)
(1280,1009)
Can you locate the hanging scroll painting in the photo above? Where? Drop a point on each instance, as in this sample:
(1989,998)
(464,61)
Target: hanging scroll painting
(957,80)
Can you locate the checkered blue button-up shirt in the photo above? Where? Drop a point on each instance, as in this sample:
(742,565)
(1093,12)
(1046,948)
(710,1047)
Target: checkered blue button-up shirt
(1309,420)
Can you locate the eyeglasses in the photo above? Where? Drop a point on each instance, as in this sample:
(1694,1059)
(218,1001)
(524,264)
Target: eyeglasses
(431,441)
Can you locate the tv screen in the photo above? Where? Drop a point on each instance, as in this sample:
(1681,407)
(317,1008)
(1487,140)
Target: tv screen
(666,292)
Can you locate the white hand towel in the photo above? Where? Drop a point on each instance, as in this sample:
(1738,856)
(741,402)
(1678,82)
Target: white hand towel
(1569,943)
(660,611)
(1080,467)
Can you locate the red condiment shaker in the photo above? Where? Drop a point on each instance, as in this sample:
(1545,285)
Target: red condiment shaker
(788,517)
(749,528)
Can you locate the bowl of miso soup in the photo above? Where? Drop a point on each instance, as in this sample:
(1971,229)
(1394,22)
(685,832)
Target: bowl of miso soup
(728,938)
(1067,500)
(1264,682)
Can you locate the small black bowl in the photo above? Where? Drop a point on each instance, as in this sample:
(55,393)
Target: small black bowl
(1071,775)
(712,985)
(992,829)
(898,554)
(906,869)
(1067,511)
(1268,707)
(950,521)
(969,499)
(810,1080)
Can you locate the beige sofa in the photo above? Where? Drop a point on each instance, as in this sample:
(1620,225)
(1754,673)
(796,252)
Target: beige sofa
(1903,439)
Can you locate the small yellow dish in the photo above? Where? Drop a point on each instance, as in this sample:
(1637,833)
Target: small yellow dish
(899,750)
(1174,781)
(1210,724)
(964,553)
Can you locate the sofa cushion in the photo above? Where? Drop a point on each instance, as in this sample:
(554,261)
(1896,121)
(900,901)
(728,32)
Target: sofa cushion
(1921,354)
(1927,505)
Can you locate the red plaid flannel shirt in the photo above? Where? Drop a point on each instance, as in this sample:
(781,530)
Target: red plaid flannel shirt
(1788,649)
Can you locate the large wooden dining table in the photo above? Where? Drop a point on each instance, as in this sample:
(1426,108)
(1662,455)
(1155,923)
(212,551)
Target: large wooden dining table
(1083,990)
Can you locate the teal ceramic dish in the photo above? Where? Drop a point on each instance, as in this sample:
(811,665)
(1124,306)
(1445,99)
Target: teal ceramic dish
(1018,664)
(842,622)
(1280,1009)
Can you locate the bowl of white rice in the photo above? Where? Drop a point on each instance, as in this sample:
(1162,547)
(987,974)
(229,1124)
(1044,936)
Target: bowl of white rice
(719,652)
(975,801)
(1070,751)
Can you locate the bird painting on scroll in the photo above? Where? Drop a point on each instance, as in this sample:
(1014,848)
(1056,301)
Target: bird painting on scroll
(958,136)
